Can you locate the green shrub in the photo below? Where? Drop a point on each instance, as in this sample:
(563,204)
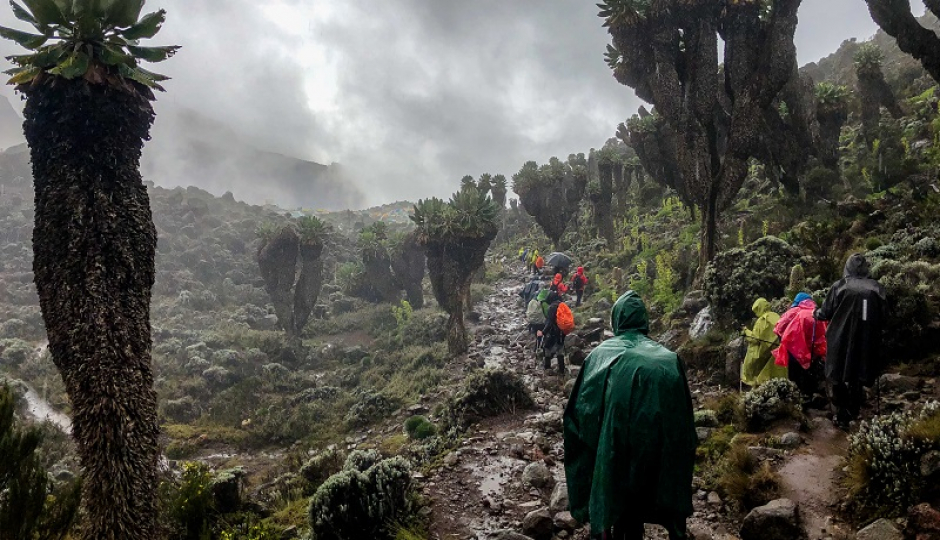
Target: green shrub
(737,276)
(320,467)
(366,504)
(485,393)
(368,408)
(190,502)
(419,428)
(884,461)
(361,460)
(773,400)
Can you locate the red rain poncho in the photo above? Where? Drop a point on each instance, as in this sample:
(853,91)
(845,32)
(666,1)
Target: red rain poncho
(799,334)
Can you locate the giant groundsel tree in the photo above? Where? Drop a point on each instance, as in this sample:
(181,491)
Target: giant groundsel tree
(88,112)
(455,235)
(712,114)
(552,193)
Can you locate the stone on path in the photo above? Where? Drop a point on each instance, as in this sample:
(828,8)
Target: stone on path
(923,522)
(536,474)
(882,529)
(776,520)
(507,534)
(564,521)
(559,500)
(791,439)
(538,524)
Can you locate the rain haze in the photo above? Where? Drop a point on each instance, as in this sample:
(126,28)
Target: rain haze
(408,95)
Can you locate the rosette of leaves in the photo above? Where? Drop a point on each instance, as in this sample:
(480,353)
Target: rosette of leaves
(499,190)
(95,40)
(869,57)
(455,236)
(832,110)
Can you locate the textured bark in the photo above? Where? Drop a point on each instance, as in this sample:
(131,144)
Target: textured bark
(307,289)
(603,201)
(451,266)
(897,20)
(277,259)
(93,244)
(408,264)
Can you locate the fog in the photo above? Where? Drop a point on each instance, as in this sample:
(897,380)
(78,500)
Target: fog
(409,95)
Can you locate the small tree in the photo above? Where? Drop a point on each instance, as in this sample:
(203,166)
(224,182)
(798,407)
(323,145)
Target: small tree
(375,283)
(609,164)
(408,264)
(873,90)
(832,111)
(551,193)
(499,191)
(292,294)
(455,236)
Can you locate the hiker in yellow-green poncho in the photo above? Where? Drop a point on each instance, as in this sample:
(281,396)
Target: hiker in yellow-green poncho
(759,366)
(630,434)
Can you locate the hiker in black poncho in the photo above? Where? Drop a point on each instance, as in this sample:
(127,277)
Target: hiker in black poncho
(855,309)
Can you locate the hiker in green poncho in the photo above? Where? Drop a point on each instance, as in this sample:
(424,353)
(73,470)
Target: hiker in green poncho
(629,433)
(759,366)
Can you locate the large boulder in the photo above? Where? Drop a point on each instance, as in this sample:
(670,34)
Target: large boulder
(776,520)
(923,522)
(537,475)
(880,530)
(559,499)
(893,382)
(538,524)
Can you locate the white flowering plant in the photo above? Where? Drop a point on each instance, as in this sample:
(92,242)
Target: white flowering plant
(884,457)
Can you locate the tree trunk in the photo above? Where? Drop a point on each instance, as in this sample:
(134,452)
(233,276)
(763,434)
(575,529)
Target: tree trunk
(308,285)
(709,233)
(277,260)
(93,244)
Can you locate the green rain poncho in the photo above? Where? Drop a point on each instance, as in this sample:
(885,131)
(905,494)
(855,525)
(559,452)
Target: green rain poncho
(759,366)
(629,431)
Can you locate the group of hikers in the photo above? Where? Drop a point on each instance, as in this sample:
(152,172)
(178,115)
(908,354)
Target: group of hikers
(548,316)
(629,429)
(835,346)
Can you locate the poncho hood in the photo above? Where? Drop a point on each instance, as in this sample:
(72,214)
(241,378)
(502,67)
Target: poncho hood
(629,315)
(857,266)
(761,306)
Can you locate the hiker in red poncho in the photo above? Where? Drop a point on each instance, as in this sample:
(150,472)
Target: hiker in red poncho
(578,282)
(558,286)
(802,340)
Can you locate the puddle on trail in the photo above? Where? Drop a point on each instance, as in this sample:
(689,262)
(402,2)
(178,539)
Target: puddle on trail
(495,474)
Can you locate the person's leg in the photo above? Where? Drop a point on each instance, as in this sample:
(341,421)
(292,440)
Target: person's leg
(797,374)
(856,398)
(561,361)
(628,530)
(579,294)
(840,398)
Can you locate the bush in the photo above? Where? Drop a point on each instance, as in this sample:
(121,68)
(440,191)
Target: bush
(485,393)
(320,467)
(884,461)
(737,276)
(419,428)
(354,504)
(361,460)
(369,407)
(773,400)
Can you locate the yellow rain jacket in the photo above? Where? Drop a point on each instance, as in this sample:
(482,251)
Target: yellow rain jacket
(759,366)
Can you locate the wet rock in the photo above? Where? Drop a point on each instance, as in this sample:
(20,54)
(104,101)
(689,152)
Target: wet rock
(714,499)
(564,521)
(913,395)
(791,440)
(693,303)
(930,464)
(882,529)
(733,358)
(559,499)
(776,520)
(893,382)
(701,324)
(764,453)
(923,522)
(536,474)
(576,356)
(603,305)
(704,433)
(538,524)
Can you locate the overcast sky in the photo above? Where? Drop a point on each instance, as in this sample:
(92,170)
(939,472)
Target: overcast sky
(413,94)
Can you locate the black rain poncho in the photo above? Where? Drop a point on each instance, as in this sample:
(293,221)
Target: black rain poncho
(629,430)
(855,309)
